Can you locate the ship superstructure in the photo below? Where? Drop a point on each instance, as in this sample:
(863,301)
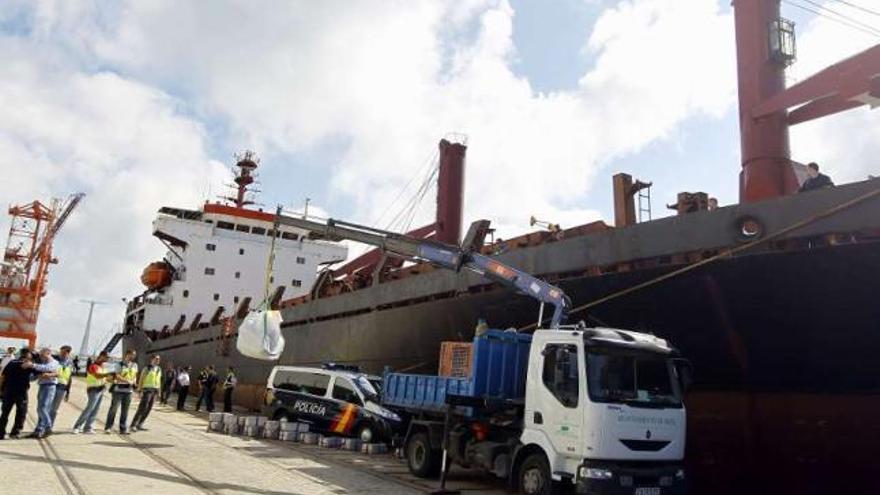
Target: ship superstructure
(216,263)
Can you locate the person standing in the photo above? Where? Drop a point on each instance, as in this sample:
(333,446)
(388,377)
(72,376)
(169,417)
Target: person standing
(120,393)
(815,180)
(7,358)
(228,387)
(168,381)
(96,377)
(16,382)
(149,386)
(182,387)
(62,388)
(203,376)
(47,382)
(209,385)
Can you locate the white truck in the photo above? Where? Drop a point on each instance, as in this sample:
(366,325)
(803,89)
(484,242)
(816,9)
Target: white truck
(599,408)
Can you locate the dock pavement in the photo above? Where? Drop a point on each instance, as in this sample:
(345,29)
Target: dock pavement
(178,456)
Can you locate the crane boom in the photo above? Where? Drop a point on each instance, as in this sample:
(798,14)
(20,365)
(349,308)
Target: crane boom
(49,237)
(444,255)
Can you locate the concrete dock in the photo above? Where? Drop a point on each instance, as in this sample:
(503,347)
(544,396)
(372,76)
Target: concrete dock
(177,455)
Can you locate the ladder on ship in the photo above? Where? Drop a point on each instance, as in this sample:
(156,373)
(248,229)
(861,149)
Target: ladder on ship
(114,341)
(645,204)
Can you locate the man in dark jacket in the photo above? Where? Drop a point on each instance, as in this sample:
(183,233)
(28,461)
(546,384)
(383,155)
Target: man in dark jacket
(16,382)
(815,180)
(169,382)
(209,383)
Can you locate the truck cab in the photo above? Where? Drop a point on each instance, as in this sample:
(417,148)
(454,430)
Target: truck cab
(599,409)
(603,410)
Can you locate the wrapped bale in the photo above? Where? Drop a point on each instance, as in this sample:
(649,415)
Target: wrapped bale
(331,442)
(374,448)
(352,444)
(310,438)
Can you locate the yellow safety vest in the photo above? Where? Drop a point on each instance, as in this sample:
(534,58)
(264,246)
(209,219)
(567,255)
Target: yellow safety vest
(129,373)
(152,378)
(93,381)
(64,374)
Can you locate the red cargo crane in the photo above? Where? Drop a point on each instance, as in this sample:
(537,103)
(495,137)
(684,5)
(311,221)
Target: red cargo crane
(25,267)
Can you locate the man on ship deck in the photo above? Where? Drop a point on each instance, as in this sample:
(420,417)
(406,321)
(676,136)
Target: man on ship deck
(815,180)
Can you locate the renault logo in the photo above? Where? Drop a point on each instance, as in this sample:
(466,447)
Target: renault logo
(648,434)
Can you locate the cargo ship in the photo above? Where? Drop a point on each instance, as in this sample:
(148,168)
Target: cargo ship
(772,299)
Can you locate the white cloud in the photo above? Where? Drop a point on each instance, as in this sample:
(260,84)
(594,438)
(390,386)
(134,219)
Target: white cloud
(388,78)
(121,142)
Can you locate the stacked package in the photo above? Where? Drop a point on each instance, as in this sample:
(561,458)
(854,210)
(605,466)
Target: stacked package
(271,430)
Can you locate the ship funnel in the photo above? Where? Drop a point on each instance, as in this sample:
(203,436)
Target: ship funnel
(450,192)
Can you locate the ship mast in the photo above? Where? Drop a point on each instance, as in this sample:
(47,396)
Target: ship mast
(765,46)
(247,163)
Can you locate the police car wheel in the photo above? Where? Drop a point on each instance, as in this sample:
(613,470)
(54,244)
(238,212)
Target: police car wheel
(534,476)
(365,433)
(423,461)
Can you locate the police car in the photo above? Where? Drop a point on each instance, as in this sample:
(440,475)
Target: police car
(332,399)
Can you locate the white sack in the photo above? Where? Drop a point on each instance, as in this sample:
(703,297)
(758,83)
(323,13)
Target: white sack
(259,335)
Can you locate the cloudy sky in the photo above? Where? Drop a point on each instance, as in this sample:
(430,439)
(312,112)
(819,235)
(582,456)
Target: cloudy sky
(143,104)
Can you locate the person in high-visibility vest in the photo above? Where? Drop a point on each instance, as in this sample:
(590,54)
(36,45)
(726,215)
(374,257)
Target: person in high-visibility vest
(62,388)
(149,386)
(96,382)
(124,382)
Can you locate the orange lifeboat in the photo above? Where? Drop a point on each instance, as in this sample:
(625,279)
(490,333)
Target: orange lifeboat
(156,275)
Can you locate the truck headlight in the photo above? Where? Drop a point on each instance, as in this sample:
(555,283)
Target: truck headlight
(596,473)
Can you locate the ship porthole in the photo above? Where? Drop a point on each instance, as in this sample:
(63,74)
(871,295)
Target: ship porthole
(749,228)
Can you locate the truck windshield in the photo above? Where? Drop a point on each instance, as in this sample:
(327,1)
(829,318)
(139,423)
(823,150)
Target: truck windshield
(645,380)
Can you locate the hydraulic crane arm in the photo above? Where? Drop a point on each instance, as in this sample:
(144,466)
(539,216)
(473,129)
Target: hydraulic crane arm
(444,255)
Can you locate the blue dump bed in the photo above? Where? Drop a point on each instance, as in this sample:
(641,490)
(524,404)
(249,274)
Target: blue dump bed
(498,372)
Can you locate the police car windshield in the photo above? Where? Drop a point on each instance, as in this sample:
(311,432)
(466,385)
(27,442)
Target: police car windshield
(366,387)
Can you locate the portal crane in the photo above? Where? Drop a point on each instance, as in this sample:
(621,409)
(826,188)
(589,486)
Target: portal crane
(25,266)
(446,256)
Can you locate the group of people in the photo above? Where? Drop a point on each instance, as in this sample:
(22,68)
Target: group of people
(179,381)
(53,375)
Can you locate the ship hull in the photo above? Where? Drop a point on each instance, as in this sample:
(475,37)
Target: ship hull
(785,348)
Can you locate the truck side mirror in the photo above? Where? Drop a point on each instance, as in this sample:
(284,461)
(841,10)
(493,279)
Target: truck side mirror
(685,371)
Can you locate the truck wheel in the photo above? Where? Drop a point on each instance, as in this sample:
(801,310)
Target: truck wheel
(534,476)
(423,461)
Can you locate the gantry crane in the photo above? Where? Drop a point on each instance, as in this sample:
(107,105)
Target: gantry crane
(26,259)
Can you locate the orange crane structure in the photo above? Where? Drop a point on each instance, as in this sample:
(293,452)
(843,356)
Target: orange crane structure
(25,266)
